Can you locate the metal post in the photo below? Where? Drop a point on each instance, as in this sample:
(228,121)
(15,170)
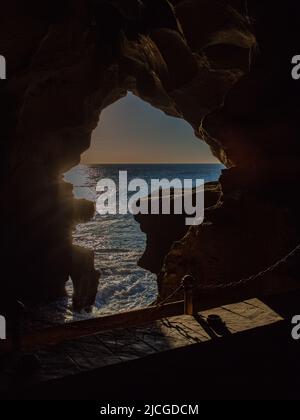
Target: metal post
(188,283)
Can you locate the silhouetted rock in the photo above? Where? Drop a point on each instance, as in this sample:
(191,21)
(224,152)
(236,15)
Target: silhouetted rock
(85,279)
(222,67)
(163,230)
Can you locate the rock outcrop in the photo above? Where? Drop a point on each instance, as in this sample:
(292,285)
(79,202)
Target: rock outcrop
(163,231)
(222,65)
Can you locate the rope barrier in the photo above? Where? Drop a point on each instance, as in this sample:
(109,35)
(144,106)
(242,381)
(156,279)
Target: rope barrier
(224,285)
(262,273)
(168,298)
(251,278)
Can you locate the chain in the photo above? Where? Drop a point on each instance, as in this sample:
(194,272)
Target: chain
(168,298)
(234,283)
(224,285)
(251,278)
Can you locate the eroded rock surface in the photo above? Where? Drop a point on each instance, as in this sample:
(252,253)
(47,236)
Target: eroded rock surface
(223,66)
(163,230)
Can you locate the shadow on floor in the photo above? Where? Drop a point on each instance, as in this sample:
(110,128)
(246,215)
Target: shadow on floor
(259,364)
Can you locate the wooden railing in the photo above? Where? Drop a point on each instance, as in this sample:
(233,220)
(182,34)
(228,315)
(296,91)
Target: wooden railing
(193,303)
(73,330)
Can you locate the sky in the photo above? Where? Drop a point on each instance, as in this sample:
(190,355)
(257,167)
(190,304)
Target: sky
(132,131)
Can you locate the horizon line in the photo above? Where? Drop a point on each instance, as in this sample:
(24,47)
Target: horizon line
(151,163)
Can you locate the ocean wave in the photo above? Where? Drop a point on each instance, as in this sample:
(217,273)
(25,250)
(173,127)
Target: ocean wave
(118,243)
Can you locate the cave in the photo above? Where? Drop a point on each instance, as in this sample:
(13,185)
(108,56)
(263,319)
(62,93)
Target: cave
(135,137)
(222,66)
(228,69)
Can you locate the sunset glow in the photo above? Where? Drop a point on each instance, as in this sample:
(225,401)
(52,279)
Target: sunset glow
(132,131)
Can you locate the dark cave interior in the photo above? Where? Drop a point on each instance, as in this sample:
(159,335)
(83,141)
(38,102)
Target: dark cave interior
(223,67)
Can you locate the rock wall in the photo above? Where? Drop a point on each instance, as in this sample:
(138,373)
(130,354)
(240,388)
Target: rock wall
(223,66)
(163,231)
(258,128)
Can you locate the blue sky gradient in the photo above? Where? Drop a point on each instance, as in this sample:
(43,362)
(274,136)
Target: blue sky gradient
(132,131)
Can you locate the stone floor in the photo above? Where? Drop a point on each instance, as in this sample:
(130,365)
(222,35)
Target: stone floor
(114,347)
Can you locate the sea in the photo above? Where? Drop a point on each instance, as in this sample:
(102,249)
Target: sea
(117,241)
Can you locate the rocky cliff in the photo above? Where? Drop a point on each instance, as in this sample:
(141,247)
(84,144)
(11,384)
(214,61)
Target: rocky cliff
(222,65)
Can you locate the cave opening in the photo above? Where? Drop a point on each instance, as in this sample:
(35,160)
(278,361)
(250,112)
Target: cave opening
(135,137)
